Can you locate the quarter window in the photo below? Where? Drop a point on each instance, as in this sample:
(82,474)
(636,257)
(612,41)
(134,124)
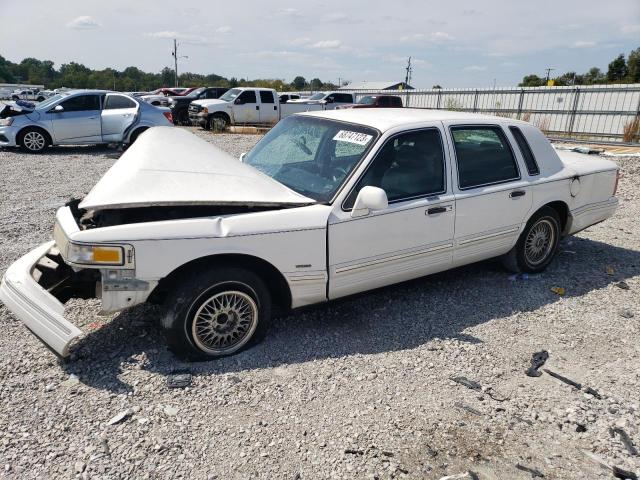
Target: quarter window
(114,102)
(483,156)
(81,103)
(408,165)
(266,96)
(525,149)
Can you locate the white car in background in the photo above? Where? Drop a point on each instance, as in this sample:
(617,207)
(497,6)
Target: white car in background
(327,204)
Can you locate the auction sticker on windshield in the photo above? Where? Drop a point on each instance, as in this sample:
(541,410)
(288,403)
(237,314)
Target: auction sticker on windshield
(353,137)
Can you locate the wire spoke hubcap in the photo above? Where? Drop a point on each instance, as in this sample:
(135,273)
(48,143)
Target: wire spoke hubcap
(539,243)
(225,322)
(34,141)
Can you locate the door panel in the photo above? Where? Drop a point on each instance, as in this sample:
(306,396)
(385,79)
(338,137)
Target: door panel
(414,235)
(268,107)
(391,246)
(79,122)
(492,200)
(118,114)
(249,111)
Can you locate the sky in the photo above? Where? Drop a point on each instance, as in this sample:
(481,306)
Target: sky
(452,44)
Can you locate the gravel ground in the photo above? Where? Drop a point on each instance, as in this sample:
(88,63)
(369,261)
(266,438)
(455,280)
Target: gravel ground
(361,388)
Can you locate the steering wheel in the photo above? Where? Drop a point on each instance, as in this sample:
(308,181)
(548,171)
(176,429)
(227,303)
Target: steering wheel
(302,146)
(338,173)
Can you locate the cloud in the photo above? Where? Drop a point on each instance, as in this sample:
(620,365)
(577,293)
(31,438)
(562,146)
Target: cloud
(475,68)
(83,22)
(300,41)
(433,37)
(185,38)
(327,44)
(288,12)
(583,44)
(631,29)
(224,29)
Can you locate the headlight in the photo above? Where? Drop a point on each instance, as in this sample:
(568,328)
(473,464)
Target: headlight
(5,122)
(95,254)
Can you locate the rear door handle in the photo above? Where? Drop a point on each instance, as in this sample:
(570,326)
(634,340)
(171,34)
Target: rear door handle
(517,193)
(257,107)
(435,210)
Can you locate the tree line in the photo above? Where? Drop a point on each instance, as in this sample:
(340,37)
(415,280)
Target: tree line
(620,70)
(75,75)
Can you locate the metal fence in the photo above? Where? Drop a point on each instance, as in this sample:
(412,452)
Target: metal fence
(595,112)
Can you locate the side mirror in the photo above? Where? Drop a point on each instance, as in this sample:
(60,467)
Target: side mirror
(369,199)
(242,156)
(329,99)
(58,109)
(238,101)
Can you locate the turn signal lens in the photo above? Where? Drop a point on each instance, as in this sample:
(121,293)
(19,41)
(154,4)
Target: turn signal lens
(95,254)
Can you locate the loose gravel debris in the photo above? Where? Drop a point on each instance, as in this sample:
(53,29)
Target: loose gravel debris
(359,389)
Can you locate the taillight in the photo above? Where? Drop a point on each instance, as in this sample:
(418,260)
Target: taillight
(615,187)
(168,116)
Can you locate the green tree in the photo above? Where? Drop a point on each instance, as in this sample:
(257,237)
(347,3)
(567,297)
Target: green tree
(594,75)
(633,66)
(299,83)
(6,76)
(315,84)
(532,81)
(617,69)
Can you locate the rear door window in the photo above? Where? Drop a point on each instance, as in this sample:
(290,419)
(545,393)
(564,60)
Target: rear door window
(114,102)
(266,96)
(483,155)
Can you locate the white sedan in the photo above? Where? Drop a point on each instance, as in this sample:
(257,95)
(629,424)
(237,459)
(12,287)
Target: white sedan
(327,204)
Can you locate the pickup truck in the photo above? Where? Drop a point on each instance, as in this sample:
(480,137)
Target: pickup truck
(249,105)
(327,204)
(179,104)
(28,95)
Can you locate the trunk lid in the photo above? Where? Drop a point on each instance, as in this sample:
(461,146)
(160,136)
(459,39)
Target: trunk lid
(169,166)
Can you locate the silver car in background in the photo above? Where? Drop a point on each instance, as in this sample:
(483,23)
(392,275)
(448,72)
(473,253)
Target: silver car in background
(79,117)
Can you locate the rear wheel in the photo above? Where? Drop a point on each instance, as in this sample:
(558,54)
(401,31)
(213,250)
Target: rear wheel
(537,244)
(134,136)
(215,313)
(33,140)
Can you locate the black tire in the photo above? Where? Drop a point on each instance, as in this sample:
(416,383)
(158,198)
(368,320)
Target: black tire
(41,99)
(198,295)
(182,117)
(33,140)
(219,122)
(134,136)
(537,245)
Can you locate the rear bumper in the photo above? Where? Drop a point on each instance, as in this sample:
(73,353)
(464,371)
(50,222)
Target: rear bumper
(40,311)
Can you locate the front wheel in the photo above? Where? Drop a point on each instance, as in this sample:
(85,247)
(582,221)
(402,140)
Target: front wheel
(216,312)
(537,244)
(33,140)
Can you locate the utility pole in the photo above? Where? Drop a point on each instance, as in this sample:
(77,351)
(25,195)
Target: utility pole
(175,60)
(409,71)
(549,70)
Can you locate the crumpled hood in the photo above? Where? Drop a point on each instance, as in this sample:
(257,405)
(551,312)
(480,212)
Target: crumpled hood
(169,166)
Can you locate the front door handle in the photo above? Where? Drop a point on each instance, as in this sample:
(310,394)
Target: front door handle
(275,108)
(257,107)
(435,210)
(517,193)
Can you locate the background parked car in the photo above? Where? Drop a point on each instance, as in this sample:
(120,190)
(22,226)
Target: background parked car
(28,95)
(285,97)
(330,99)
(160,97)
(376,101)
(179,104)
(79,117)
